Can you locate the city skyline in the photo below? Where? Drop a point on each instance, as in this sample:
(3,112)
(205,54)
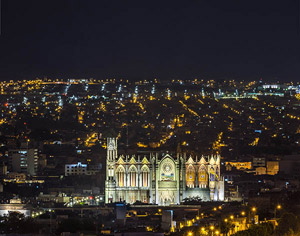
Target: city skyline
(150,118)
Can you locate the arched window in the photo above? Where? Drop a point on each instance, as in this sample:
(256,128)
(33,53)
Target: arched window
(212,174)
(190,176)
(202,177)
(121,182)
(145,176)
(217,172)
(167,170)
(132,176)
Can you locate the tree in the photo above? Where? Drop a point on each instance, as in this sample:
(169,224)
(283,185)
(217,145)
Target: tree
(16,222)
(265,229)
(192,201)
(75,225)
(226,227)
(287,223)
(69,225)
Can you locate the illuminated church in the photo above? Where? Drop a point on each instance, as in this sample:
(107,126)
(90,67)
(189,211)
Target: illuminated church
(161,178)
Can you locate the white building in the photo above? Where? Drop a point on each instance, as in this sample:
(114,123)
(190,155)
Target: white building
(75,169)
(82,169)
(15,205)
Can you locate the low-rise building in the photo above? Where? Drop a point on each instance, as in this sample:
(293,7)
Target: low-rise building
(15,205)
(75,169)
(239,165)
(82,169)
(272,167)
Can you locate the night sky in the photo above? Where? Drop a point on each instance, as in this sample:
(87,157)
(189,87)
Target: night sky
(228,39)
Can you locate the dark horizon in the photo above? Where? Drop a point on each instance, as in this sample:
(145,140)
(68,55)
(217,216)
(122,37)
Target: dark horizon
(145,40)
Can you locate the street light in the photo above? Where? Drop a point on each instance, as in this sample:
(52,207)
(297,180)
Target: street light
(278,207)
(253,209)
(243,213)
(212,228)
(217,232)
(232,217)
(225,220)
(190,233)
(203,231)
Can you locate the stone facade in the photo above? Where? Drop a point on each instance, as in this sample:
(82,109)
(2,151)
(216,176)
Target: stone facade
(161,178)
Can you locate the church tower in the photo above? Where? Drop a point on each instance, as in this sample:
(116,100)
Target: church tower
(110,183)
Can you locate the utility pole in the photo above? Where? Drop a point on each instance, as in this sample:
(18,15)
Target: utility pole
(50,222)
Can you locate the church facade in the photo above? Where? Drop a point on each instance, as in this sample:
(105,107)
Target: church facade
(161,178)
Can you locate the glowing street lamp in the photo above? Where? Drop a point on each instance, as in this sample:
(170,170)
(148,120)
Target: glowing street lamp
(253,210)
(232,217)
(278,207)
(243,213)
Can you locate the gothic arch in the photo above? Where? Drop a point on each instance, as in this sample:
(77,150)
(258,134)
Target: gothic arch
(212,174)
(120,174)
(190,176)
(217,172)
(145,176)
(202,176)
(167,169)
(132,176)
